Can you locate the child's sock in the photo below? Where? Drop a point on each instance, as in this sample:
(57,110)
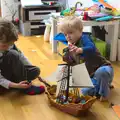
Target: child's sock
(33,90)
(103,99)
(3,90)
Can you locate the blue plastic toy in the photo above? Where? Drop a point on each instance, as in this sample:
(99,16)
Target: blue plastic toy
(104,18)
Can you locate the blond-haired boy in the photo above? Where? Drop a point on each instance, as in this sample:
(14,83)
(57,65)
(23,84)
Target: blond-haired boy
(81,44)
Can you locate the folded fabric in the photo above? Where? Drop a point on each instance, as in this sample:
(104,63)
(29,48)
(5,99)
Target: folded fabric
(61,37)
(33,90)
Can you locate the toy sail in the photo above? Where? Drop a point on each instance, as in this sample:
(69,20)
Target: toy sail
(80,76)
(76,77)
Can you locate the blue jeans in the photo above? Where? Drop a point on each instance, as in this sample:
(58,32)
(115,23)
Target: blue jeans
(101,80)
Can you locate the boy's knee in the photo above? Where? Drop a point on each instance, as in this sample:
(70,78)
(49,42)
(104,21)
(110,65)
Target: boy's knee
(33,73)
(101,72)
(37,71)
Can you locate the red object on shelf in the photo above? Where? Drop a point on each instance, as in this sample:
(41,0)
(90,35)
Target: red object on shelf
(17,20)
(51,3)
(85,16)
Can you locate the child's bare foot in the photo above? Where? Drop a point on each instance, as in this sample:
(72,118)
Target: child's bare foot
(111,86)
(103,99)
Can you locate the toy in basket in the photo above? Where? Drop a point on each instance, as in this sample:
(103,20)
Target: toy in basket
(66,94)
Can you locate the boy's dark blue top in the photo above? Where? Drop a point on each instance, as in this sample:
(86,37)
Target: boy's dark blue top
(87,43)
(91,55)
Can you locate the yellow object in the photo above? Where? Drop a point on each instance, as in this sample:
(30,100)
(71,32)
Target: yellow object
(116,13)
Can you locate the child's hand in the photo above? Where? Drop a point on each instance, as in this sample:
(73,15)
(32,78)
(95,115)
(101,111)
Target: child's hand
(75,49)
(24,84)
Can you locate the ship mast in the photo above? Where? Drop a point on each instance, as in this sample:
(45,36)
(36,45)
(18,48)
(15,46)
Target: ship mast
(68,79)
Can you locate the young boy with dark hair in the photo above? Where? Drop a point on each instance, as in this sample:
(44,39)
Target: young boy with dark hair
(15,70)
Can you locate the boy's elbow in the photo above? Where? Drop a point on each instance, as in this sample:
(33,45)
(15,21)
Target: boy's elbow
(91,49)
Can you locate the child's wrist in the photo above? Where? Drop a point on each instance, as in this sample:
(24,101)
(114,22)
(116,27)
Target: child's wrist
(13,85)
(80,51)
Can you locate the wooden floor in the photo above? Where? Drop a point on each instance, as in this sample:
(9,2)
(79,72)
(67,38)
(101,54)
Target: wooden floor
(16,106)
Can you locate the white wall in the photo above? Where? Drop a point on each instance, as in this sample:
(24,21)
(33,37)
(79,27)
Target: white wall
(114,3)
(86,3)
(5,10)
(63,2)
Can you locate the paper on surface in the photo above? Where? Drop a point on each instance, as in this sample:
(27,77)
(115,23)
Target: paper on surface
(57,75)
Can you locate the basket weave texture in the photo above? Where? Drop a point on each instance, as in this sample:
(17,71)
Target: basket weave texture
(72,108)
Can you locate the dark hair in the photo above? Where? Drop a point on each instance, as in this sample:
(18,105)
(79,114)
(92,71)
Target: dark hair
(8,31)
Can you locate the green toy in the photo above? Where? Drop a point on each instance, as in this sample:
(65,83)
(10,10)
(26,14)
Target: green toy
(70,11)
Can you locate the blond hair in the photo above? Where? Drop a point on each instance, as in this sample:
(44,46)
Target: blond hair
(8,31)
(69,23)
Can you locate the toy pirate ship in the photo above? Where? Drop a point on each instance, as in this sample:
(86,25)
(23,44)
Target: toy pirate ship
(66,94)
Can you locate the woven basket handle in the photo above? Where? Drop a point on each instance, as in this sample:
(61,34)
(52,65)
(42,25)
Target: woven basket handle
(74,8)
(46,84)
(76,5)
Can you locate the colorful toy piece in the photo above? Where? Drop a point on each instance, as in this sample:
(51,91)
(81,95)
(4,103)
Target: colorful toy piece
(107,5)
(71,11)
(115,12)
(107,18)
(103,2)
(104,18)
(94,8)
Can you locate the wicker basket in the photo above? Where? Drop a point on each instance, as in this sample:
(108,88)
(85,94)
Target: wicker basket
(72,108)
